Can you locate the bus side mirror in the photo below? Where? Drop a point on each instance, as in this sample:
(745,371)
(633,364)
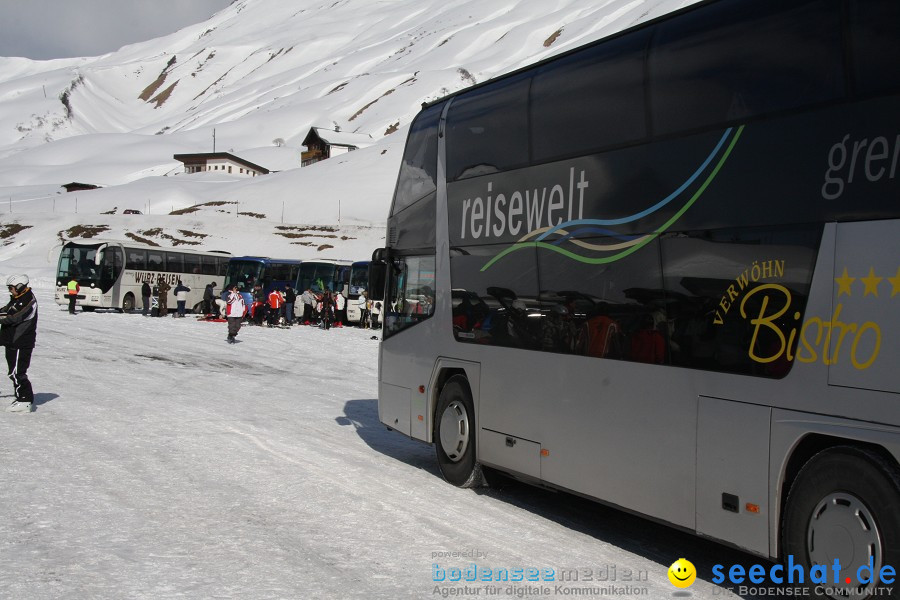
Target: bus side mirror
(98,255)
(377,279)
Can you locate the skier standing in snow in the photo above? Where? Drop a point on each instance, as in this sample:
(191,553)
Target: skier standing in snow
(327,310)
(146,292)
(72,289)
(276,303)
(234,312)
(163,297)
(18,330)
(309,301)
(209,300)
(290,298)
(363,303)
(340,309)
(181,292)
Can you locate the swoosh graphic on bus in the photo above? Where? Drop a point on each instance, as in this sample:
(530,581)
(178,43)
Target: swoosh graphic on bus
(655,207)
(629,240)
(636,244)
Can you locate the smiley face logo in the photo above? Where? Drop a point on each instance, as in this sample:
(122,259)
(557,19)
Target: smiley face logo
(682,573)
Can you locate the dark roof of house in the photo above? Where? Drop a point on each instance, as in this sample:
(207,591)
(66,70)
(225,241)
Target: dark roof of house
(338,138)
(205,156)
(73,186)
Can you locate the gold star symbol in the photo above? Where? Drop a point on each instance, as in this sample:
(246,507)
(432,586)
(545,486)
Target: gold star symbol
(895,283)
(871,282)
(844,282)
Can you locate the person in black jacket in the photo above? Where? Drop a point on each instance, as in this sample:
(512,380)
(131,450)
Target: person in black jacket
(290,298)
(18,330)
(146,292)
(210,308)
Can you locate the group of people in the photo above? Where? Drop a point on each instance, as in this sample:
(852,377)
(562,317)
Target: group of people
(18,319)
(325,309)
(161,293)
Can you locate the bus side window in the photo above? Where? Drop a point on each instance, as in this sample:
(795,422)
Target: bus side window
(209,265)
(736,60)
(191,263)
(156,261)
(875,39)
(174,262)
(590,100)
(487,129)
(137,260)
(411,293)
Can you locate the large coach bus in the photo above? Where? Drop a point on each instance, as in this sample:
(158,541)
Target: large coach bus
(663,271)
(111,272)
(270,273)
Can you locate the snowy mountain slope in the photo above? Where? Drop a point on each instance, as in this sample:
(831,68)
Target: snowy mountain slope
(258,71)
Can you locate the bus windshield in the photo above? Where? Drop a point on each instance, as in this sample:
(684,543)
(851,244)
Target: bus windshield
(81,262)
(317,276)
(359,279)
(243,272)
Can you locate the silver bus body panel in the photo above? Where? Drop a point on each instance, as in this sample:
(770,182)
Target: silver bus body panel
(679,465)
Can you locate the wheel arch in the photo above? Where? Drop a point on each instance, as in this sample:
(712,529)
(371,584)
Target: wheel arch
(807,447)
(445,369)
(125,301)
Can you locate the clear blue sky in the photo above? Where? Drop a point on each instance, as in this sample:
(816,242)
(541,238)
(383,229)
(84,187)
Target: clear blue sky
(43,29)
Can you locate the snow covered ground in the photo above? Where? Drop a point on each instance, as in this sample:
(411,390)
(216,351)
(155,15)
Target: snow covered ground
(162,462)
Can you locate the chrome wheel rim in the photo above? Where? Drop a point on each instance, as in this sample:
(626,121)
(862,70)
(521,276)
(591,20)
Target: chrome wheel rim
(843,528)
(455,430)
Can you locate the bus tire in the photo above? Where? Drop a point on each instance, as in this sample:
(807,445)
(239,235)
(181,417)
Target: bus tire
(454,434)
(128,302)
(844,504)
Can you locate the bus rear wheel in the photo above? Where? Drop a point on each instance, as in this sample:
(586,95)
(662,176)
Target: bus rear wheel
(844,505)
(454,434)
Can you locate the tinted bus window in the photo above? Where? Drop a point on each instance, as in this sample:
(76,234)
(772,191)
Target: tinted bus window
(156,260)
(614,310)
(279,272)
(414,227)
(191,263)
(875,31)
(498,306)
(174,262)
(418,171)
(717,281)
(487,129)
(410,295)
(590,100)
(136,259)
(209,265)
(735,60)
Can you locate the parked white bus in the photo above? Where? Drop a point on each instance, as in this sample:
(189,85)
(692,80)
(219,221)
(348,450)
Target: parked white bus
(112,272)
(663,271)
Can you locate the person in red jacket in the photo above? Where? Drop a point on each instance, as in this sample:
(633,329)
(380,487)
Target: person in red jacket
(276,303)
